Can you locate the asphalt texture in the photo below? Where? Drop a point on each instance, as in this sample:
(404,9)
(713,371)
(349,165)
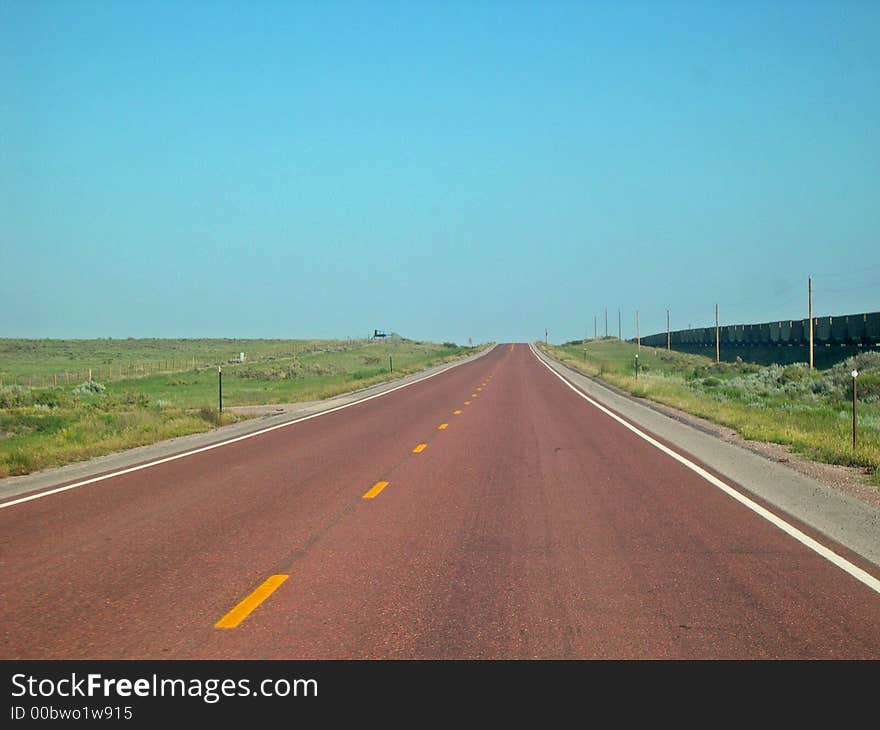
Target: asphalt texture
(532,526)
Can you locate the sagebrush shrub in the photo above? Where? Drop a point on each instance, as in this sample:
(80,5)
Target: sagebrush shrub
(89,387)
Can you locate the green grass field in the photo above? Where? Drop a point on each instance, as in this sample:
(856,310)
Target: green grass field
(809,411)
(158,389)
(47,362)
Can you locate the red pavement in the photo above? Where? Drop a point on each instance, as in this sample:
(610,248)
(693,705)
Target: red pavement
(533,526)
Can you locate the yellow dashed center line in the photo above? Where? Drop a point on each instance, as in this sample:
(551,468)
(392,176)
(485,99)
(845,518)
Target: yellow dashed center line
(271,584)
(243,609)
(375,489)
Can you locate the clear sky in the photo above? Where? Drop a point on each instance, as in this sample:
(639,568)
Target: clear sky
(441,169)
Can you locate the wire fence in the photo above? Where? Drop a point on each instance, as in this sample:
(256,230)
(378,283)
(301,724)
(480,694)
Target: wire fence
(135,370)
(108,373)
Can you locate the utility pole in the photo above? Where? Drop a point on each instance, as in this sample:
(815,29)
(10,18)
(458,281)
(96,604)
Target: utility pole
(594,326)
(810,308)
(606,321)
(717,344)
(220,387)
(667,330)
(638,334)
(619,332)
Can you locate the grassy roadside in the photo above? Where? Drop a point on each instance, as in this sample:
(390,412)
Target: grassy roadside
(811,412)
(49,426)
(67,362)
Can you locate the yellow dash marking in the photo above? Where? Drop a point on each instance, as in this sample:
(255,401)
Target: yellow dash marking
(473,395)
(421,447)
(467,402)
(376,488)
(456,413)
(243,609)
(479,388)
(442,426)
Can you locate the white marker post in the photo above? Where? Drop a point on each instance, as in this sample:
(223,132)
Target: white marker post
(220,386)
(855,376)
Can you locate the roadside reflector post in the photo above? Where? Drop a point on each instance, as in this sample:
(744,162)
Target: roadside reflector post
(855,377)
(637,366)
(390,363)
(220,386)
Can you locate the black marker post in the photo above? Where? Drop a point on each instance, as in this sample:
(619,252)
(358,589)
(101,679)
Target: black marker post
(855,377)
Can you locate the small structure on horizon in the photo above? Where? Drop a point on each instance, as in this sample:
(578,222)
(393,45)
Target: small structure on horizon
(387,336)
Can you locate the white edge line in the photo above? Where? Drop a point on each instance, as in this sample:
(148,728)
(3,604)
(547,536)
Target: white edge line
(856,572)
(174,457)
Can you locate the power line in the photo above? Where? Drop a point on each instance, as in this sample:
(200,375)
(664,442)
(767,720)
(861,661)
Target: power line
(846,290)
(862,270)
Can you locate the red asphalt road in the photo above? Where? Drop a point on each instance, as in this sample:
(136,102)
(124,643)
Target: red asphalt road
(534,526)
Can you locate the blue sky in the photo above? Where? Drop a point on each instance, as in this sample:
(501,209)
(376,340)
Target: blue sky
(445,170)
